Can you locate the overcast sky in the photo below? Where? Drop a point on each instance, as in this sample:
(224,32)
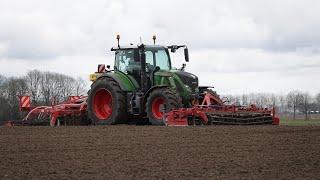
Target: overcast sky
(237,46)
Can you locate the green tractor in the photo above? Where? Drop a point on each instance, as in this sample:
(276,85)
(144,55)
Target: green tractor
(142,85)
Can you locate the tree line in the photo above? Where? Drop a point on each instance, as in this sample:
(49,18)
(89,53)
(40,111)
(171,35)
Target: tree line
(291,104)
(42,87)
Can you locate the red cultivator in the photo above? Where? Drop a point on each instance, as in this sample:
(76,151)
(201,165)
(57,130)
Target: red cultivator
(71,112)
(214,111)
(211,111)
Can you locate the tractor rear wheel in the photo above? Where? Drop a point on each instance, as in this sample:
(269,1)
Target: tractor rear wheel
(160,101)
(106,102)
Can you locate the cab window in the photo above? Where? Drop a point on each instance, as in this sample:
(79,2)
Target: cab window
(157,57)
(123,59)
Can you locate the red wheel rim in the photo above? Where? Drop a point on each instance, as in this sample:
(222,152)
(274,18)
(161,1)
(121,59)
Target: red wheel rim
(102,104)
(158,107)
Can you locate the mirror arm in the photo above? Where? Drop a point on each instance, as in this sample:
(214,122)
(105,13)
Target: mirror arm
(183,67)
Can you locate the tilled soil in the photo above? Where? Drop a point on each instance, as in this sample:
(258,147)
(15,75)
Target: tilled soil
(149,152)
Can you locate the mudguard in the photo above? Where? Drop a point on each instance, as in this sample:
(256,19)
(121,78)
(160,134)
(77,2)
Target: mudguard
(126,83)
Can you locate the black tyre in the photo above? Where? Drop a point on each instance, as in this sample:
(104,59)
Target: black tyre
(85,120)
(106,102)
(160,101)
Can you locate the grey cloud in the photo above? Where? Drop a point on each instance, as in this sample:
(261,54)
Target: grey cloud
(47,29)
(231,42)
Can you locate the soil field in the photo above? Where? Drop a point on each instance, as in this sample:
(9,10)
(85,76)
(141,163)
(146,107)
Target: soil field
(149,152)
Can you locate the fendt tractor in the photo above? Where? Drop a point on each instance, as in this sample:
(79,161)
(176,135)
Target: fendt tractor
(143,87)
(143,84)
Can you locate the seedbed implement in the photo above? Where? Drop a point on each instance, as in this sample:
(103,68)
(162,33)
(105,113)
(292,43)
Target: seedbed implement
(70,112)
(220,114)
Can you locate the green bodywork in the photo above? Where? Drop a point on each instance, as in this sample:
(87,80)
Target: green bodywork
(125,82)
(171,79)
(162,78)
(127,63)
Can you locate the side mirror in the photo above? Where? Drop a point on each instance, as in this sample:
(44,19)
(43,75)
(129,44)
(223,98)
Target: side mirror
(186,54)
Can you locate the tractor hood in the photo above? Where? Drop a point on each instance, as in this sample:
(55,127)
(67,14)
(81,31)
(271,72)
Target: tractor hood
(188,79)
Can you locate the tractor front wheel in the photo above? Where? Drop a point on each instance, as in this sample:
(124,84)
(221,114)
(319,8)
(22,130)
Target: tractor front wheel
(160,101)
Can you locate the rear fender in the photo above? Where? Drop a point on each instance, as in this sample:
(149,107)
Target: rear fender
(124,82)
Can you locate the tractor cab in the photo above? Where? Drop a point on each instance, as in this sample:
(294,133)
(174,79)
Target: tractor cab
(128,60)
(142,84)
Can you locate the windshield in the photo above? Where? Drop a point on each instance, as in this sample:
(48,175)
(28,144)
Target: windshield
(124,58)
(157,57)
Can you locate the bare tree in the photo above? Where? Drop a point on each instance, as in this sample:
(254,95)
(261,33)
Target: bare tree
(317,100)
(260,99)
(281,104)
(33,80)
(291,100)
(13,88)
(43,87)
(2,81)
(305,104)
(4,107)
(292,103)
(294,100)
(80,87)
(46,87)
(244,99)
(233,99)
(59,87)
(67,86)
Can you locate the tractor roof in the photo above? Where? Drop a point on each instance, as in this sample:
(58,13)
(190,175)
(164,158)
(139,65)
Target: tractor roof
(136,46)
